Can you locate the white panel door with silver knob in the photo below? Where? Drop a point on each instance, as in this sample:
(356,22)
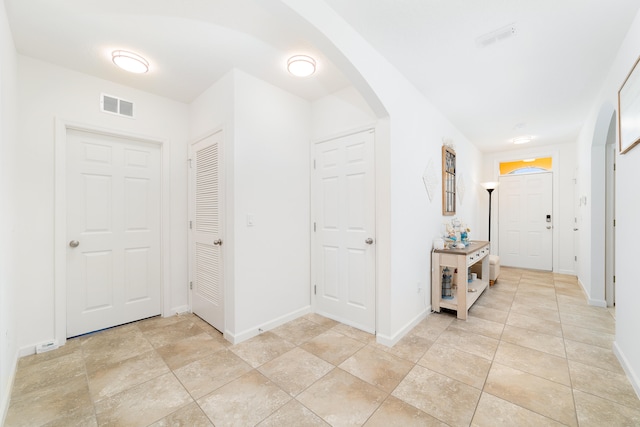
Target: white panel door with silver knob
(113,231)
(344,254)
(526,221)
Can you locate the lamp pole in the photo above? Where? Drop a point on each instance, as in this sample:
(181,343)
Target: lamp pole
(490,190)
(490,186)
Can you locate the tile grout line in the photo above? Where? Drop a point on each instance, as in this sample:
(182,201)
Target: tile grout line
(482,390)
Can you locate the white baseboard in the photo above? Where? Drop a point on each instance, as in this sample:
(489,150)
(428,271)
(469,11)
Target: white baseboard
(567,272)
(390,341)
(258,329)
(633,378)
(179,310)
(6,394)
(591,301)
(597,302)
(27,350)
(584,290)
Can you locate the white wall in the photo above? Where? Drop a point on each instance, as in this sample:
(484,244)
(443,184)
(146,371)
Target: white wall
(591,141)
(267,266)
(214,110)
(417,130)
(339,113)
(564,211)
(407,220)
(47,92)
(272,183)
(8,213)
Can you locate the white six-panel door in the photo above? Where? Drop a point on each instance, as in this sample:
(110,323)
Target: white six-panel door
(207,296)
(113,231)
(344,236)
(525,234)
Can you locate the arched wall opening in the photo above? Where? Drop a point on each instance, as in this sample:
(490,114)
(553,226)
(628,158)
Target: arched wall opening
(603,137)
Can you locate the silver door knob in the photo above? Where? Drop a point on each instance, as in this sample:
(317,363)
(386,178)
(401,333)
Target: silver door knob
(217,242)
(575,229)
(369,241)
(74,243)
(548,227)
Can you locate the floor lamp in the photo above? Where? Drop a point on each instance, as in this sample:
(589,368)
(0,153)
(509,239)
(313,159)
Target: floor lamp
(490,186)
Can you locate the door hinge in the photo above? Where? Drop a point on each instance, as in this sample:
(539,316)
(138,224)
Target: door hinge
(314,227)
(614,167)
(614,222)
(314,163)
(190,225)
(614,279)
(190,285)
(190,164)
(575,258)
(314,289)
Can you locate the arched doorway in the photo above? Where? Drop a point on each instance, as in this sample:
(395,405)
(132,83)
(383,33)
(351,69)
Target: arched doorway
(602,209)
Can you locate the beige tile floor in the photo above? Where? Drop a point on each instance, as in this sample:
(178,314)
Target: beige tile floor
(532,353)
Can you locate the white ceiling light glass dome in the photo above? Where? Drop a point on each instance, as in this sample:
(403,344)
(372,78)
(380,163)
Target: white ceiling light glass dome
(130,61)
(301,65)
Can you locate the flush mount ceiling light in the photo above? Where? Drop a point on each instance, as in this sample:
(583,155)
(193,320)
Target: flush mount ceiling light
(521,140)
(130,61)
(301,65)
(496,35)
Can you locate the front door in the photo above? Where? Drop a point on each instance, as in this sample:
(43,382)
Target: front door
(207,296)
(113,231)
(525,221)
(344,230)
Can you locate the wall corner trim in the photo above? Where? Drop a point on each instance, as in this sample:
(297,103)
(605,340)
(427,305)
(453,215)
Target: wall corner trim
(390,341)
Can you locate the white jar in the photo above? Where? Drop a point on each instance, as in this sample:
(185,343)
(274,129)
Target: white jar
(438,243)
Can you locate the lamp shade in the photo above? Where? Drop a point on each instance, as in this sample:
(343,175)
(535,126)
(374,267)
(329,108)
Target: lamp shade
(491,185)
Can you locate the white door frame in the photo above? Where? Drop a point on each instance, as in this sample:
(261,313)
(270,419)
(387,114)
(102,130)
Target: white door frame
(610,230)
(60,217)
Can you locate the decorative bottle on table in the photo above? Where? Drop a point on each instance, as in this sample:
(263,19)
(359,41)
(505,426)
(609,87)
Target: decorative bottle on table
(446,284)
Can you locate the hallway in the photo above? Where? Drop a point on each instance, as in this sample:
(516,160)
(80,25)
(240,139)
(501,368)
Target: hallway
(532,353)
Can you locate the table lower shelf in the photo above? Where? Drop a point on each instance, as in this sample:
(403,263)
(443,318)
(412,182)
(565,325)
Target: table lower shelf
(452,304)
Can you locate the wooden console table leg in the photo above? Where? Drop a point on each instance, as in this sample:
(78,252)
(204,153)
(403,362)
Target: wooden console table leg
(462,287)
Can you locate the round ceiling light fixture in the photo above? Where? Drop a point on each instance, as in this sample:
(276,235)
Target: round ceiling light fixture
(301,65)
(130,61)
(522,140)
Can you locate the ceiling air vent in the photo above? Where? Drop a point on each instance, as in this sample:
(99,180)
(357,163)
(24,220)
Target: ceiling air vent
(496,36)
(111,104)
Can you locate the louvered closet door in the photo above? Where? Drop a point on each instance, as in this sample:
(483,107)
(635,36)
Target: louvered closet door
(206,241)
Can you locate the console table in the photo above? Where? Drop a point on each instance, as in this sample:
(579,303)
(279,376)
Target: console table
(476,256)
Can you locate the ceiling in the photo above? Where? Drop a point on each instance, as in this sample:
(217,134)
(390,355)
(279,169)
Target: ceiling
(539,82)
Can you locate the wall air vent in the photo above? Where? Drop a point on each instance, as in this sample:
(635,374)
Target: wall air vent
(113,105)
(496,36)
